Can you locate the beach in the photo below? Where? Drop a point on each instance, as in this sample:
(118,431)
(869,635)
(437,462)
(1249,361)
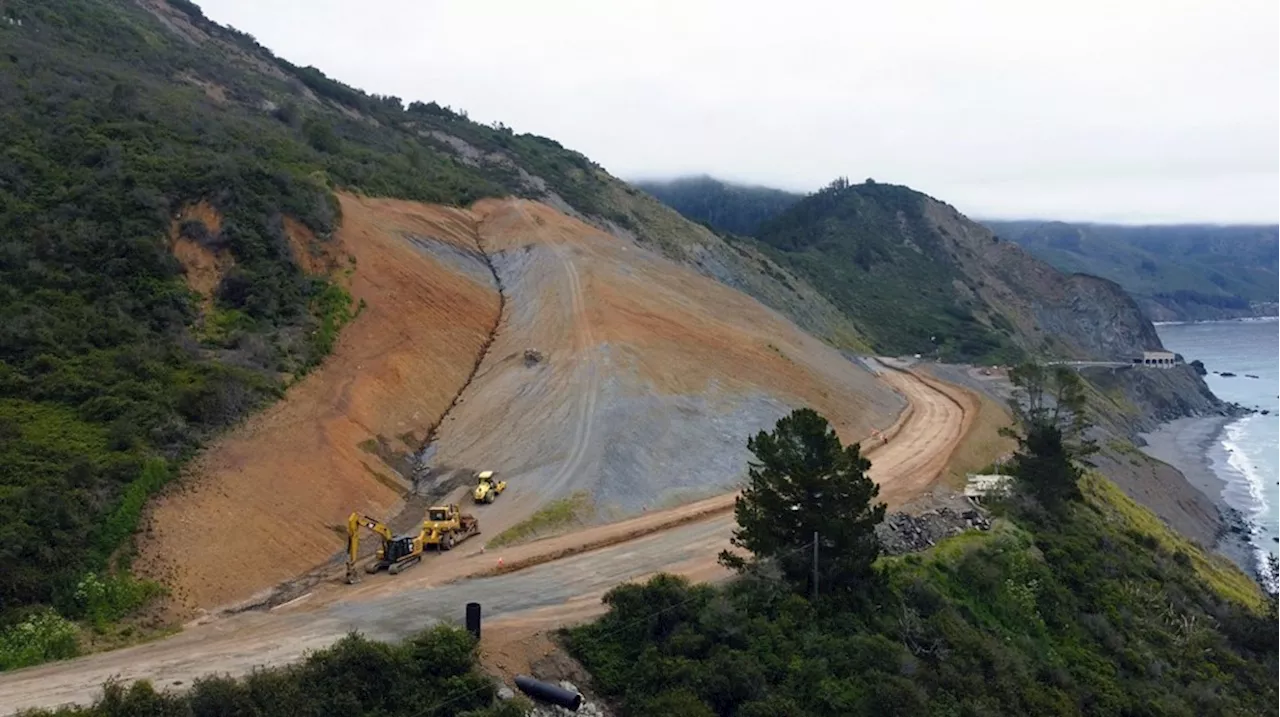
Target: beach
(1186,444)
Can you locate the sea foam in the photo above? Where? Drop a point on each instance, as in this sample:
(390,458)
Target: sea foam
(1245,490)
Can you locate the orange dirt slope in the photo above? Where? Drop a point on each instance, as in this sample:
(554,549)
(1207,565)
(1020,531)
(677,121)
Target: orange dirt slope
(263,503)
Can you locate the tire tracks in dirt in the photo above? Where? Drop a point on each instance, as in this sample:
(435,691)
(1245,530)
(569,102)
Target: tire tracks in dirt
(585,345)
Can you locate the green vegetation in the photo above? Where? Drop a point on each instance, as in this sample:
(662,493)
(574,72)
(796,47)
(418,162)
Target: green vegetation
(1049,412)
(722,206)
(804,486)
(1078,601)
(1216,571)
(332,307)
(1175,272)
(433,674)
(1086,615)
(871,250)
(40,636)
(551,518)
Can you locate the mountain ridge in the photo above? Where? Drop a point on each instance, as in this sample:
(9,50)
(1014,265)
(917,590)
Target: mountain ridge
(916,276)
(1178,272)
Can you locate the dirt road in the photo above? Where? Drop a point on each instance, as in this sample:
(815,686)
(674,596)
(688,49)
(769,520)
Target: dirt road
(561,584)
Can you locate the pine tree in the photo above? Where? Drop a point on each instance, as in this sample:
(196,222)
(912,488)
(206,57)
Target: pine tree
(802,482)
(1049,408)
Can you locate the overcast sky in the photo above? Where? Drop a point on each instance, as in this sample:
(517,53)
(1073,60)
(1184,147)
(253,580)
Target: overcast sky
(1106,110)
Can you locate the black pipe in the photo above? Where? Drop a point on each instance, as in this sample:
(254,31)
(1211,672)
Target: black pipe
(547,692)
(473,619)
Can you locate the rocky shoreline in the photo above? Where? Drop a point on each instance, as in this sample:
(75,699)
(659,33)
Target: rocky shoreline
(1184,443)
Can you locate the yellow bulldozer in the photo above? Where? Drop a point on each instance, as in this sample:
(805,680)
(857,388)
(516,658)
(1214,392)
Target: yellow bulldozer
(447,525)
(396,553)
(487,487)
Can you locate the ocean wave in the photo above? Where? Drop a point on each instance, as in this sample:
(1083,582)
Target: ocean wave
(1258,319)
(1240,320)
(1252,501)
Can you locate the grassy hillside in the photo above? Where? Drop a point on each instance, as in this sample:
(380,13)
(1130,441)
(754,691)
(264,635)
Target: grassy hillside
(1102,611)
(1175,272)
(723,206)
(918,277)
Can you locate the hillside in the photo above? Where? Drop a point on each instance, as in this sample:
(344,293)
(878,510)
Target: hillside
(195,229)
(187,230)
(919,277)
(1175,273)
(647,376)
(723,206)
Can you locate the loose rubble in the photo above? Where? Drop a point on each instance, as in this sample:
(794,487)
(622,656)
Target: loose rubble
(904,533)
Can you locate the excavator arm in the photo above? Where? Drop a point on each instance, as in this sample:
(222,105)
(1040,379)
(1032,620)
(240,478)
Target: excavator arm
(354,521)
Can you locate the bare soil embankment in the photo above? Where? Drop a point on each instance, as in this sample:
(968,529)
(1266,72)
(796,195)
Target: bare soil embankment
(651,377)
(262,504)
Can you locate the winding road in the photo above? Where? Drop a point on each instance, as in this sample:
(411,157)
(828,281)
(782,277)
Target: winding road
(549,583)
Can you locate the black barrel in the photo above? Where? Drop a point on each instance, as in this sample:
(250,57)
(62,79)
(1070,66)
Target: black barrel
(547,692)
(473,619)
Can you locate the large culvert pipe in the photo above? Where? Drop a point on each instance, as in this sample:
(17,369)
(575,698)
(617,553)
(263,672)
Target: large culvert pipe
(547,692)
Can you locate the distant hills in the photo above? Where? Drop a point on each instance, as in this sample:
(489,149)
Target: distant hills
(1176,273)
(916,276)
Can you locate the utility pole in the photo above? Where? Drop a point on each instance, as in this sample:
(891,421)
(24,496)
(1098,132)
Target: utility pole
(815,566)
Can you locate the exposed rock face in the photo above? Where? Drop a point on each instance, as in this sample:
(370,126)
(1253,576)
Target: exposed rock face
(1069,316)
(1136,400)
(1101,318)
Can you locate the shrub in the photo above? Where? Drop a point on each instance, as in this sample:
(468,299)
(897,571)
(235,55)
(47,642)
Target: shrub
(42,636)
(102,599)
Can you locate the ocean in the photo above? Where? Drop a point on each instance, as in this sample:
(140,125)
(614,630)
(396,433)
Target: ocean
(1246,455)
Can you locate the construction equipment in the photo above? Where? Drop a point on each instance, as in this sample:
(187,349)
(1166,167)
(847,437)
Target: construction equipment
(487,489)
(396,553)
(446,526)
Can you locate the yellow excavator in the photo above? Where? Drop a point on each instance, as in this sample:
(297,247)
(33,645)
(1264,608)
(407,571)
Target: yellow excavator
(396,553)
(487,489)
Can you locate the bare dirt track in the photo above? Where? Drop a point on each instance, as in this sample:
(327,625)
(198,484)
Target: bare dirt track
(560,586)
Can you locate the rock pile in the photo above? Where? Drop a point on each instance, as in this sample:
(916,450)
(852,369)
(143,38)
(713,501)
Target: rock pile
(904,533)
